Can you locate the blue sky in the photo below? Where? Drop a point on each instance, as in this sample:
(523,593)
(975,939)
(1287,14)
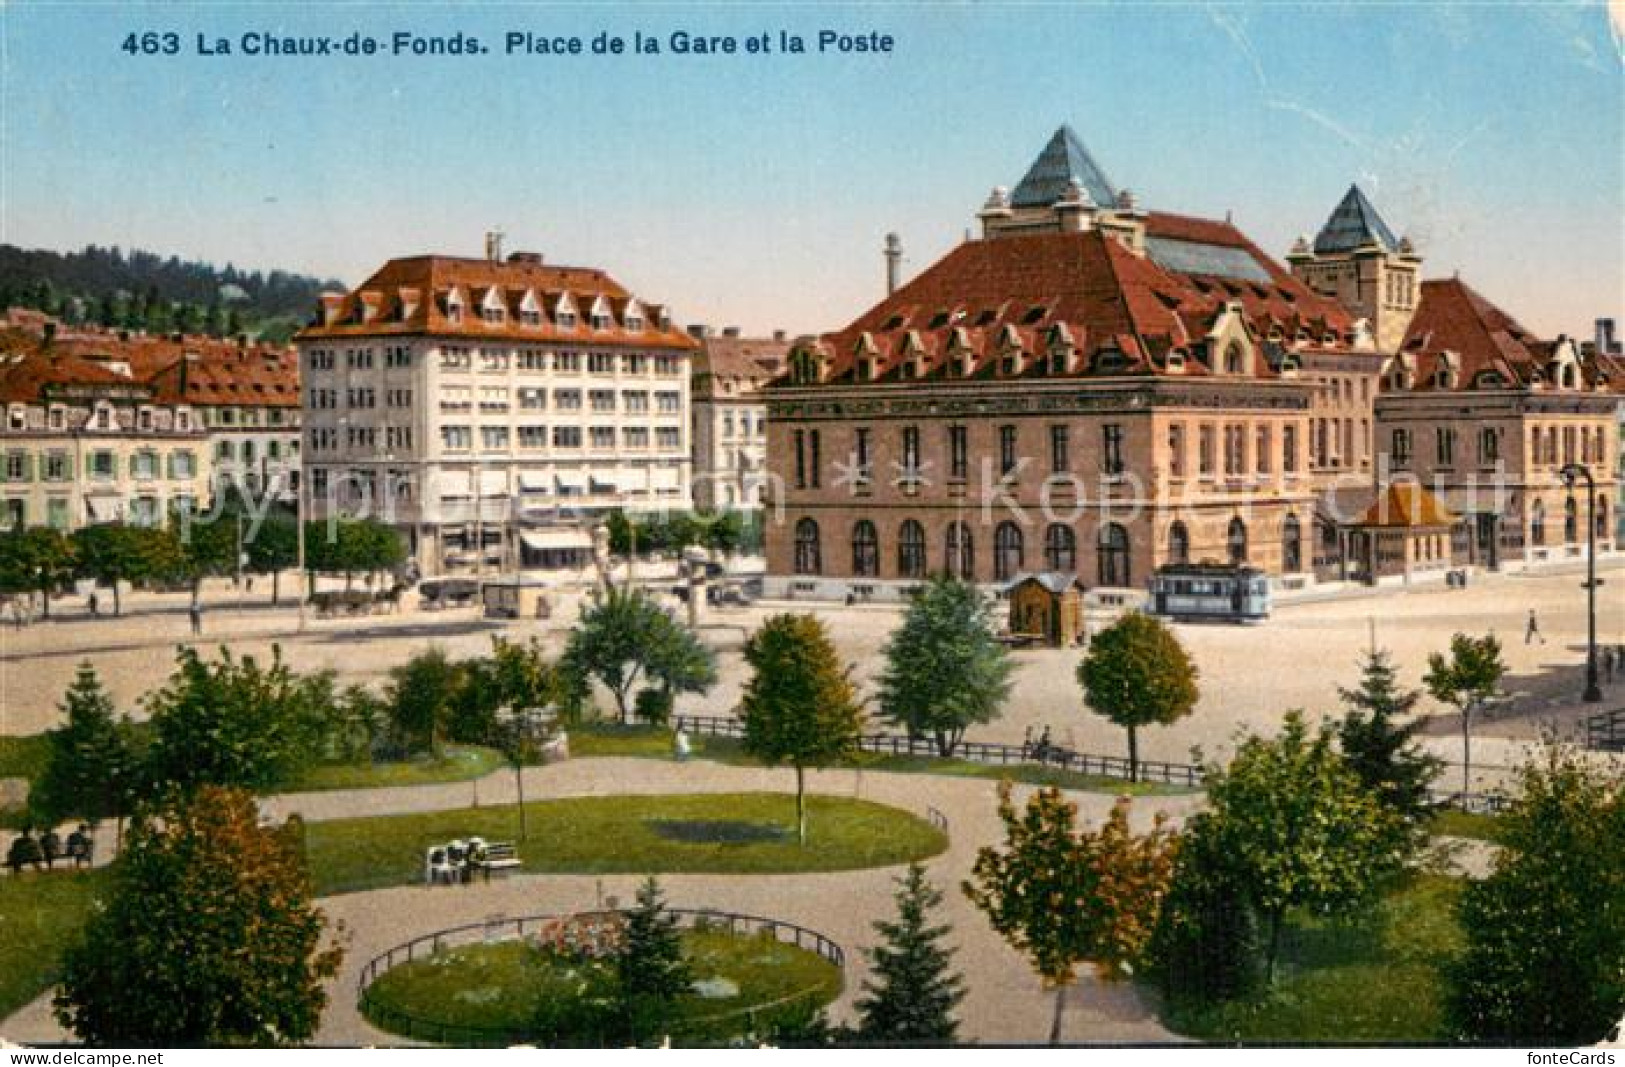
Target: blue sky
(757,190)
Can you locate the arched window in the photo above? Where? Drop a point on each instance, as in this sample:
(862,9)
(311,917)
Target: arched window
(1537,522)
(1236,540)
(1007,551)
(911,550)
(809,558)
(960,554)
(1291,545)
(1571,521)
(1112,548)
(865,550)
(1060,549)
(1179,543)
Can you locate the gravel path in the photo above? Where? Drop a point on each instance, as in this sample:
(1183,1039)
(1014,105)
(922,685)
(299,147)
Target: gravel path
(1005,1002)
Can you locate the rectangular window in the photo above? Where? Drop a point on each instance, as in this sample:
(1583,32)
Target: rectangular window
(58,467)
(56,513)
(1400,452)
(817,461)
(1262,450)
(635,403)
(17,466)
(182,466)
(635,436)
(456,438)
(860,452)
(1204,449)
(603,437)
(1444,438)
(1176,450)
(567,362)
(1289,449)
(602,399)
(911,449)
(533,437)
(533,399)
(144,465)
(668,403)
(566,437)
(1007,449)
(600,363)
(567,399)
(801,459)
(1112,448)
(494,438)
(1489,446)
(672,437)
(957,452)
(1060,459)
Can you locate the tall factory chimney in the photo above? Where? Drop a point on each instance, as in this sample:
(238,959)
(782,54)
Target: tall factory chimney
(894,262)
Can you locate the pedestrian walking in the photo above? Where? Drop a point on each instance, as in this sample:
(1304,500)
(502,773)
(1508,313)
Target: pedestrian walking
(1608,664)
(195,612)
(1532,631)
(94,604)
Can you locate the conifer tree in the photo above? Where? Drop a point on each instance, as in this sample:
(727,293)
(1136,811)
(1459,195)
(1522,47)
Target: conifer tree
(91,769)
(1382,750)
(651,970)
(911,997)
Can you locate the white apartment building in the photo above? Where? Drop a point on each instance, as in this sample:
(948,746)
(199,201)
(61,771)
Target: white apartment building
(730,416)
(494,410)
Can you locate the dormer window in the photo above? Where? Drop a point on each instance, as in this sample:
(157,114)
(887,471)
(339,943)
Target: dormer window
(1109,361)
(104,417)
(1235,359)
(1176,360)
(454,312)
(600,322)
(566,319)
(1012,362)
(58,417)
(143,419)
(493,316)
(17,417)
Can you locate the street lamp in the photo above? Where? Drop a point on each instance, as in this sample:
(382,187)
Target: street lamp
(1570,473)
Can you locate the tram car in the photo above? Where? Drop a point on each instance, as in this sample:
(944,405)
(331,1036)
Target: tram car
(1220,592)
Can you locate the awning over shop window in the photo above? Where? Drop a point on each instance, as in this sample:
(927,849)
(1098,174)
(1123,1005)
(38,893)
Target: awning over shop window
(554,539)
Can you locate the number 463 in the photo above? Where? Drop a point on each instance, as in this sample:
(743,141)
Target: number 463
(152,44)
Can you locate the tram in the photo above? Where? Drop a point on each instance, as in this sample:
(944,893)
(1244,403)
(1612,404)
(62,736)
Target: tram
(1221,592)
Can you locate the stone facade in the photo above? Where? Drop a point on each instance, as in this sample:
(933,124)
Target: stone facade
(494,410)
(730,416)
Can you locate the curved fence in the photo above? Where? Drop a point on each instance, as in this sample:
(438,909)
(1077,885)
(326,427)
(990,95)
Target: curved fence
(419,1028)
(992,753)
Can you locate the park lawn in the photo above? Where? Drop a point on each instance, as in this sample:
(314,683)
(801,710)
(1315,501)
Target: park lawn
(1475,825)
(504,986)
(1373,978)
(703,833)
(39,915)
(458,763)
(654,742)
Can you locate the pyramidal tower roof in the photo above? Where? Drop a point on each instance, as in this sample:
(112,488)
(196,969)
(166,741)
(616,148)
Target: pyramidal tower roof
(1063,159)
(1353,224)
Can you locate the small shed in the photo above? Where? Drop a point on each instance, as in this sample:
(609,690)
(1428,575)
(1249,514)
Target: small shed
(1047,608)
(1405,534)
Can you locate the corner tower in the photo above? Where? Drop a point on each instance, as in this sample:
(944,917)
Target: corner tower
(1357,260)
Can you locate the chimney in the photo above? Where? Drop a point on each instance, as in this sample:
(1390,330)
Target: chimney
(493,245)
(1607,344)
(730,331)
(699,331)
(533,258)
(894,262)
(778,335)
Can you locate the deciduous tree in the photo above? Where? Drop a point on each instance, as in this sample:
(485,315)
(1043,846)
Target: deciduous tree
(1062,895)
(625,640)
(1136,674)
(208,936)
(1466,679)
(800,706)
(945,670)
(422,696)
(1298,825)
(1545,958)
(36,560)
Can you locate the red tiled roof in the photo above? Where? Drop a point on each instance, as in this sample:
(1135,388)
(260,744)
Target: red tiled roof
(741,357)
(1452,317)
(410,296)
(217,372)
(988,294)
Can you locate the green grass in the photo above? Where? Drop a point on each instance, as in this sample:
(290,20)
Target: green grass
(1466,824)
(630,834)
(654,742)
(1370,979)
(458,763)
(504,986)
(39,914)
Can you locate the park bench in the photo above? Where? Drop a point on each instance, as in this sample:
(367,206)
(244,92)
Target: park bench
(500,856)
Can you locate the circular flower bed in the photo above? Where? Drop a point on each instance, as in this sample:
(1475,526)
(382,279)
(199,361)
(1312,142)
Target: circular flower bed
(555,985)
